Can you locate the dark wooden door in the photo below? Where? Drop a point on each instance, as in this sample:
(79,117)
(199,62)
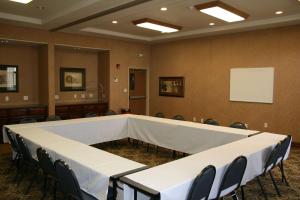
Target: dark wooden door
(137,91)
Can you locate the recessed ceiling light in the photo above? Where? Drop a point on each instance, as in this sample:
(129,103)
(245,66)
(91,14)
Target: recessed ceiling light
(222,11)
(22,1)
(211,24)
(156,25)
(279,12)
(163,9)
(114,22)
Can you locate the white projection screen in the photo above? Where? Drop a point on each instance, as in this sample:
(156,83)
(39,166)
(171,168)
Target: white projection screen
(252,84)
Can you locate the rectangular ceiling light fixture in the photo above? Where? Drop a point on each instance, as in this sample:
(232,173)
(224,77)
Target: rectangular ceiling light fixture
(156,25)
(222,11)
(22,1)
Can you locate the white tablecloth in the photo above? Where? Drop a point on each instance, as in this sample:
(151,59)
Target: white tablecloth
(183,136)
(67,140)
(93,167)
(173,180)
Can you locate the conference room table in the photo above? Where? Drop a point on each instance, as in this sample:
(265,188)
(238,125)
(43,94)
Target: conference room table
(173,180)
(69,140)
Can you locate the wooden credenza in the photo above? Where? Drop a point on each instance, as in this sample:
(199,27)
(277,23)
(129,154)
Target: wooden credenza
(80,110)
(13,115)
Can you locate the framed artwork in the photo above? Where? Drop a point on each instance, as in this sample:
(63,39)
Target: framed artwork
(9,78)
(171,86)
(72,79)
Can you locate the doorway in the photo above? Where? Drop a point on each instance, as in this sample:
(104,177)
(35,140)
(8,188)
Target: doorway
(138,91)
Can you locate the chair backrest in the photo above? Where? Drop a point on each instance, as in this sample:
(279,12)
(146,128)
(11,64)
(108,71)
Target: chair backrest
(53,118)
(110,112)
(91,115)
(45,162)
(201,186)
(160,115)
(68,181)
(274,157)
(27,120)
(24,149)
(239,125)
(12,141)
(178,117)
(285,144)
(211,122)
(233,176)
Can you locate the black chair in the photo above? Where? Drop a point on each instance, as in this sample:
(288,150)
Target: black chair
(28,163)
(69,183)
(211,122)
(110,112)
(15,147)
(48,169)
(285,144)
(90,115)
(239,125)
(275,158)
(201,186)
(160,115)
(27,120)
(53,118)
(232,178)
(178,117)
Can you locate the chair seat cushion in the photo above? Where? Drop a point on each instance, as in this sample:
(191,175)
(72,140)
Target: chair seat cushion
(87,196)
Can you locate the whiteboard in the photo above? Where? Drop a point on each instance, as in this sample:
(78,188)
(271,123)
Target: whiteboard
(252,84)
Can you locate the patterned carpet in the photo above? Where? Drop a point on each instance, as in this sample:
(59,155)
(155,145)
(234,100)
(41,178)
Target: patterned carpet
(10,191)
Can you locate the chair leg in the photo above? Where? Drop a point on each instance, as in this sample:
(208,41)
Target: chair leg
(54,189)
(243,192)
(262,188)
(44,187)
(157,149)
(283,177)
(234,196)
(31,181)
(148,147)
(274,183)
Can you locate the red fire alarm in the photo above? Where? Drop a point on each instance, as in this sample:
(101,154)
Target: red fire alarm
(118,66)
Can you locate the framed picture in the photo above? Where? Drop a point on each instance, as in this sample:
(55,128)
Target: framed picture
(9,78)
(72,79)
(171,86)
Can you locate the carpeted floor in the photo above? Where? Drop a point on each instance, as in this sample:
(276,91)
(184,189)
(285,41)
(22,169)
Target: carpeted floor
(10,191)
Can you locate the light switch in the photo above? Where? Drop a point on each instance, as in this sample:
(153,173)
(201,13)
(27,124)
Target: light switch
(125,90)
(6,98)
(25,98)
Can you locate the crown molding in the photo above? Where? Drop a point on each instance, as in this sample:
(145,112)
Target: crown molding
(115,34)
(20,18)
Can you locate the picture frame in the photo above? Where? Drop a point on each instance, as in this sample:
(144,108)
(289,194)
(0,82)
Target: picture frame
(171,86)
(9,78)
(72,79)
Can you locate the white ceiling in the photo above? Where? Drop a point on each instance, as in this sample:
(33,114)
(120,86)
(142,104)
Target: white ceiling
(56,13)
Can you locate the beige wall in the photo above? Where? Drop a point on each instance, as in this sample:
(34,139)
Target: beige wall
(124,53)
(205,64)
(27,58)
(67,58)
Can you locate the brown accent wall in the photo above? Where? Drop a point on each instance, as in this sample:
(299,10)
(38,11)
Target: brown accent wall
(27,58)
(205,64)
(68,58)
(124,53)
(103,76)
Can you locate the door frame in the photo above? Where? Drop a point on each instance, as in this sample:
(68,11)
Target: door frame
(147,85)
